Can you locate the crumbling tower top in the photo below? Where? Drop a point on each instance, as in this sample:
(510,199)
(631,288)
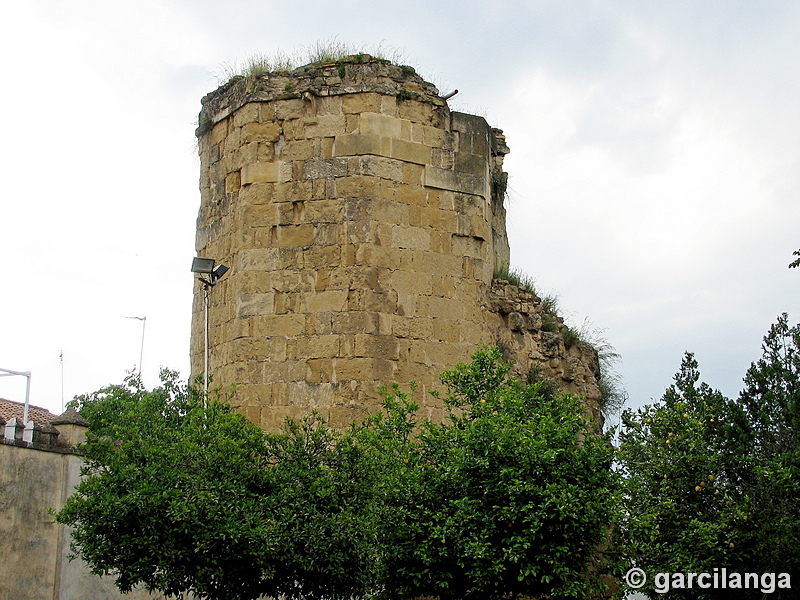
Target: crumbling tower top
(356,74)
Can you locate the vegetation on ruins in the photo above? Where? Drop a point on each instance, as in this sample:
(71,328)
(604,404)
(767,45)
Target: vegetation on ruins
(332,50)
(510,496)
(712,482)
(516,277)
(612,392)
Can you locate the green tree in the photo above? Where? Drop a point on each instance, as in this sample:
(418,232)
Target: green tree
(684,460)
(512,496)
(103,408)
(771,399)
(712,482)
(183,498)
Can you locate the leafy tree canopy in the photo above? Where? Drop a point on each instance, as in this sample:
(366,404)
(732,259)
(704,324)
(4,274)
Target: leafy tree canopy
(179,497)
(683,459)
(511,496)
(771,399)
(712,482)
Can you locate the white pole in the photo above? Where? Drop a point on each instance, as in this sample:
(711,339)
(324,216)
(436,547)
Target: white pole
(27,398)
(61,357)
(141,352)
(5,373)
(205,353)
(141,349)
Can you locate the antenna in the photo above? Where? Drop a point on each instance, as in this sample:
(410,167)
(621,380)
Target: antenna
(141,351)
(61,359)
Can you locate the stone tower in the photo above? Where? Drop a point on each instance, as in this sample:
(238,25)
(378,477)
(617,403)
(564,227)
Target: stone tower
(363,222)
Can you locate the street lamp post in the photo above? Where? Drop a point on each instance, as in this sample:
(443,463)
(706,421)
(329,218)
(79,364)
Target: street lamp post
(206,266)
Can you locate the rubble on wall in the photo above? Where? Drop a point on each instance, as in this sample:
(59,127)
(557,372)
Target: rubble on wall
(522,335)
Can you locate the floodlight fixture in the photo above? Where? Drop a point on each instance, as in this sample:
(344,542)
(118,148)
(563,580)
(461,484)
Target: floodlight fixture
(201,264)
(217,272)
(207,266)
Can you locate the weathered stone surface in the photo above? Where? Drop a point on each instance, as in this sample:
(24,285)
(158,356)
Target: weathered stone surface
(363,229)
(377,166)
(410,151)
(354,144)
(381,125)
(261,132)
(321,168)
(261,173)
(248,305)
(456,181)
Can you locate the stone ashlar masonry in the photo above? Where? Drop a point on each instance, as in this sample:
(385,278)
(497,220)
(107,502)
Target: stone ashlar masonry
(363,222)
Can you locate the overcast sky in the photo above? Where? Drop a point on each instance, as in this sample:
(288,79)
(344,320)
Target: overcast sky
(654,166)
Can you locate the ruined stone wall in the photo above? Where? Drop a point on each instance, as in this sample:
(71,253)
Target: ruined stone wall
(363,222)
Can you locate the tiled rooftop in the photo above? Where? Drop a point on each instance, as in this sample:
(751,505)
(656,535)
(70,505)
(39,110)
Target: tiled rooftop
(10,409)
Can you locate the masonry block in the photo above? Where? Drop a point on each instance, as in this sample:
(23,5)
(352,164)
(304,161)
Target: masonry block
(320,346)
(248,305)
(289,109)
(261,173)
(324,126)
(260,132)
(285,325)
(320,168)
(249,113)
(360,103)
(233,182)
(358,369)
(410,151)
(377,166)
(325,301)
(354,144)
(382,125)
(329,105)
(352,322)
(376,346)
(456,181)
(293,236)
(219,132)
(297,150)
(410,237)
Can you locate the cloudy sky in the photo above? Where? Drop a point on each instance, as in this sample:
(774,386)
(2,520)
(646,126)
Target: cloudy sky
(654,172)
